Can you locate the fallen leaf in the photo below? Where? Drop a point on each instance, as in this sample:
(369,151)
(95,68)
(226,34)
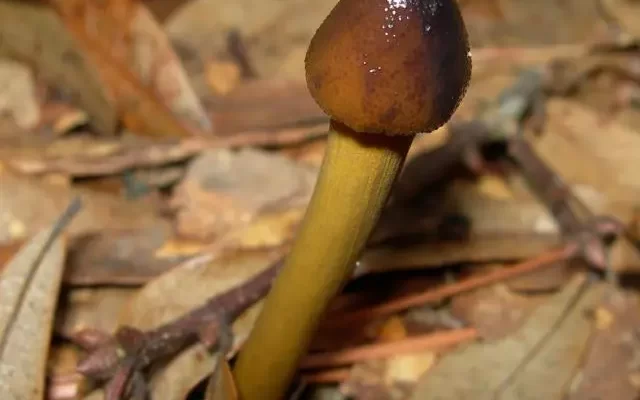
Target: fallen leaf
(137,64)
(500,229)
(223,76)
(17,94)
(611,365)
(24,213)
(63,381)
(625,14)
(494,311)
(273,30)
(483,368)
(125,257)
(387,379)
(262,104)
(221,384)
(32,31)
(598,166)
(94,308)
(224,190)
(29,287)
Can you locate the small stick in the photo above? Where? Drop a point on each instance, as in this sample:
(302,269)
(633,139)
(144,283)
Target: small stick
(334,375)
(443,292)
(107,359)
(432,341)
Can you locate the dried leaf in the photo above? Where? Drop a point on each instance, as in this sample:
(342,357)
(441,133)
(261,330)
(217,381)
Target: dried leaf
(17,94)
(494,311)
(611,369)
(223,190)
(63,381)
(31,31)
(501,229)
(221,384)
(29,288)
(138,66)
(485,367)
(24,212)
(223,76)
(599,166)
(625,13)
(273,30)
(94,308)
(125,257)
(388,379)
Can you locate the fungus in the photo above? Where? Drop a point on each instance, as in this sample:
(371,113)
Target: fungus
(384,71)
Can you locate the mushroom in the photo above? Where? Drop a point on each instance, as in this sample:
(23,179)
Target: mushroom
(384,71)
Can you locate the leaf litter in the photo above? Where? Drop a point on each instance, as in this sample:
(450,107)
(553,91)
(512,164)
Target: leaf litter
(188,132)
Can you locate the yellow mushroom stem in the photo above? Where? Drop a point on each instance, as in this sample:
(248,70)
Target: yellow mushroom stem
(357,174)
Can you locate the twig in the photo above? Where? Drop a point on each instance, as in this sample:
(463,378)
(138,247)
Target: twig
(333,375)
(132,351)
(432,341)
(446,291)
(575,219)
(160,154)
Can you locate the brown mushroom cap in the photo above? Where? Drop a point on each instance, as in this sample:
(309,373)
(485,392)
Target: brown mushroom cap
(390,66)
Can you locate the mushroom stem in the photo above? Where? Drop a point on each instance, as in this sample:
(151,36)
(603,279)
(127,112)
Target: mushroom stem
(357,174)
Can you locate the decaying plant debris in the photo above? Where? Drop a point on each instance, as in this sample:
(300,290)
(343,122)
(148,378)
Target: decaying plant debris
(508,254)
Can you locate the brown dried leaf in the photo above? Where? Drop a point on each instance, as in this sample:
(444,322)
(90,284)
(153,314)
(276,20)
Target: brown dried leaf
(29,287)
(483,368)
(223,190)
(625,13)
(274,31)
(221,385)
(494,311)
(611,368)
(138,66)
(63,381)
(599,161)
(501,229)
(125,257)
(181,290)
(31,31)
(266,104)
(18,94)
(94,308)
(24,212)
(388,379)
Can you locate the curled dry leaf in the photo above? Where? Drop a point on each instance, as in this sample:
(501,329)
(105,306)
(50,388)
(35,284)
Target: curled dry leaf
(24,212)
(29,287)
(498,369)
(32,31)
(225,190)
(138,66)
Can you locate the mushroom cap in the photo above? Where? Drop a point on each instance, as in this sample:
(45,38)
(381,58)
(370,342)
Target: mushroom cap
(390,66)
